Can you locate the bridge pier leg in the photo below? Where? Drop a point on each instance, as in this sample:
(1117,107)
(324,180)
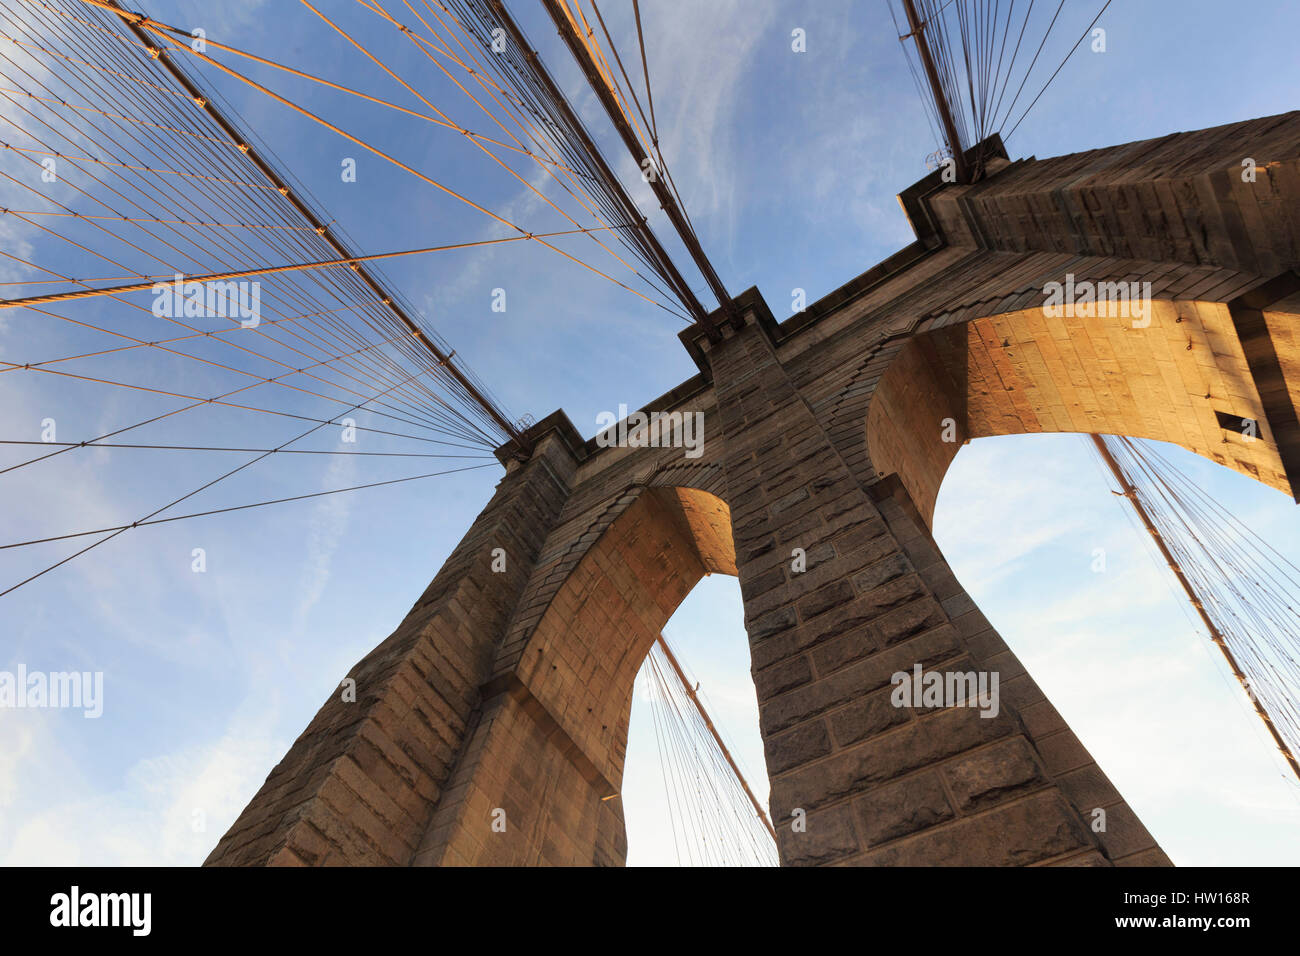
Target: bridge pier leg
(856,779)
(360,784)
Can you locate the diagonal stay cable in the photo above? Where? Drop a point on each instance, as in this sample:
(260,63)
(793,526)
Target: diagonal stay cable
(269,270)
(143,523)
(457,378)
(283,451)
(385,156)
(217,400)
(487,152)
(153,514)
(1066,59)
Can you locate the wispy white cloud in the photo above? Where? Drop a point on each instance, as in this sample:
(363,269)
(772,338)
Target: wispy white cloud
(167,810)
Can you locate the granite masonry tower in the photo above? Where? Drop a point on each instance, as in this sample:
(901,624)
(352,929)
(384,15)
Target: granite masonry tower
(509,690)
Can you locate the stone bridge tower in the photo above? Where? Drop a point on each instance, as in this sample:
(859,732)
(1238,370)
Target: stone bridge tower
(511,689)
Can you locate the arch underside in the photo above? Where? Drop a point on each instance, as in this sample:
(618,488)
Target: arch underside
(583,657)
(1183,378)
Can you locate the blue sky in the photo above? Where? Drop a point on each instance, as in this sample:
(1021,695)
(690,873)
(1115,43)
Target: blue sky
(789,164)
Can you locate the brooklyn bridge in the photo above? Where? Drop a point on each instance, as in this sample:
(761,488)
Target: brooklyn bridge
(159,248)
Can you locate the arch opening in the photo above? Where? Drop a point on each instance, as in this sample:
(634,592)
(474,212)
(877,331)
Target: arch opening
(684,805)
(557,745)
(582,658)
(1078,590)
